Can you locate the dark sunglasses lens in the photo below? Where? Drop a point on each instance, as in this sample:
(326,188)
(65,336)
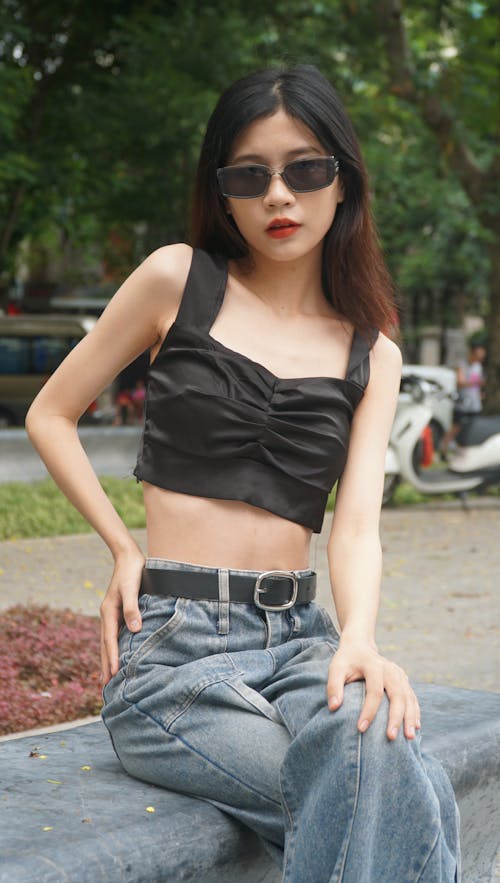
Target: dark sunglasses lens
(246,181)
(310,174)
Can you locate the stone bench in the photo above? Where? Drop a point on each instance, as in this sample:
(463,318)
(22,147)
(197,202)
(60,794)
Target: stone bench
(74,815)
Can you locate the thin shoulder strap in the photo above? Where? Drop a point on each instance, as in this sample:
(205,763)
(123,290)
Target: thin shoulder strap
(358,369)
(204,291)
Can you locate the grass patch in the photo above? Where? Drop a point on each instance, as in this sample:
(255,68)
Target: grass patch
(41,509)
(406,495)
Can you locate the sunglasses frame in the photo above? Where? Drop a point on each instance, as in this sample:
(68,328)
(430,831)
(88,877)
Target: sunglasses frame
(282,174)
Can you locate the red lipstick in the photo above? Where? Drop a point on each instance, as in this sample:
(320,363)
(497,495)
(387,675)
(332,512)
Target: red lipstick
(280,228)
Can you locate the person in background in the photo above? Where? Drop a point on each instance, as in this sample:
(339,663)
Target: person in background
(138,398)
(124,408)
(470,382)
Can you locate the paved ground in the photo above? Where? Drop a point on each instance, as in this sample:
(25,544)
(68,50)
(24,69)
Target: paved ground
(440,612)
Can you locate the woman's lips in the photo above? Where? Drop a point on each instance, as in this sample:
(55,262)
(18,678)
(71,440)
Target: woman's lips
(280,228)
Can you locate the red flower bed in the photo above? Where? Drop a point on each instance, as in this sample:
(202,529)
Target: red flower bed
(49,667)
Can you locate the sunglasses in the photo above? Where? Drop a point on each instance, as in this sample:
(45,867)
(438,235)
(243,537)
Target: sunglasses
(301,176)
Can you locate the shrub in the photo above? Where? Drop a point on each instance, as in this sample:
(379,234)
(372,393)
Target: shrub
(49,667)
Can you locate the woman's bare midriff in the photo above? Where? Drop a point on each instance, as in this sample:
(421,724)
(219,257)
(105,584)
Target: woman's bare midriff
(222,533)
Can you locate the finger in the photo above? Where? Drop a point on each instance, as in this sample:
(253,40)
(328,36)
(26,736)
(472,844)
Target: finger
(412,716)
(397,708)
(111,647)
(418,719)
(131,612)
(373,698)
(110,618)
(105,666)
(335,687)
(106,673)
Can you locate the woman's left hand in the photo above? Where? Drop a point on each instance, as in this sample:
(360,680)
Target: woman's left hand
(357,660)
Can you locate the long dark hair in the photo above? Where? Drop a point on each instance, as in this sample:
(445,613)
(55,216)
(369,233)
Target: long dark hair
(354,276)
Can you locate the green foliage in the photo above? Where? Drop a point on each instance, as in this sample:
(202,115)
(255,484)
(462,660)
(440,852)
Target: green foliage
(41,510)
(456,46)
(103,110)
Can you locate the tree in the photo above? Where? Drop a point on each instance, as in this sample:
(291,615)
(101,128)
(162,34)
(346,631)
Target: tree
(106,172)
(103,114)
(43,52)
(448,72)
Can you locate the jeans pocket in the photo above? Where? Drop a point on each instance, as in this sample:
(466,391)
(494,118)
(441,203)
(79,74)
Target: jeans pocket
(160,617)
(253,699)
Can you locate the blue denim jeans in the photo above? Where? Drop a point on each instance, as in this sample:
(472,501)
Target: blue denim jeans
(227,702)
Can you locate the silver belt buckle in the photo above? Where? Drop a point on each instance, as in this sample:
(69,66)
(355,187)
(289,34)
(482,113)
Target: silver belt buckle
(258,590)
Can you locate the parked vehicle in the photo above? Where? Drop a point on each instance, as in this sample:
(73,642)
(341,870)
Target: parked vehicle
(31,348)
(441,395)
(474,464)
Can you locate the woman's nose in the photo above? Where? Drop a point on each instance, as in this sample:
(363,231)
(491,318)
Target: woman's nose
(278,193)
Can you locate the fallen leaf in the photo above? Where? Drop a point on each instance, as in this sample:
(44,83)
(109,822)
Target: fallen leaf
(54,782)
(88,584)
(150,809)
(85,767)
(48,828)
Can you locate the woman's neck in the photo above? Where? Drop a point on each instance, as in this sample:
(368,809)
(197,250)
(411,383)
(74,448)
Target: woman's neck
(290,288)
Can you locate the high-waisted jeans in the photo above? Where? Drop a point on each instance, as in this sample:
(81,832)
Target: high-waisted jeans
(227,702)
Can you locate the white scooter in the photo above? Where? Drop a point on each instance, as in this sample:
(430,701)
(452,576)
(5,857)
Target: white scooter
(473,465)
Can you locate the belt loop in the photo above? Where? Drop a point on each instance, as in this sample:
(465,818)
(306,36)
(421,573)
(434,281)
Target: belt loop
(268,630)
(223,622)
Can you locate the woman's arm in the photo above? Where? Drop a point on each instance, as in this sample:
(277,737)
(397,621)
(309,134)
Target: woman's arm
(135,319)
(355,556)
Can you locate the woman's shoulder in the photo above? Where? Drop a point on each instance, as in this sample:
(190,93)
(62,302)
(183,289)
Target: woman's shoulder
(162,277)
(386,358)
(169,263)
(385,350)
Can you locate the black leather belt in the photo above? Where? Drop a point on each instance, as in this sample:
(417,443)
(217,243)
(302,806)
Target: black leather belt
(270,590)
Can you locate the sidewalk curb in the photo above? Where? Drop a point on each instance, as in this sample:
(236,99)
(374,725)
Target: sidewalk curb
(55,728)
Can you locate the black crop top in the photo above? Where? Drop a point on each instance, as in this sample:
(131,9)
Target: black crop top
(218,424)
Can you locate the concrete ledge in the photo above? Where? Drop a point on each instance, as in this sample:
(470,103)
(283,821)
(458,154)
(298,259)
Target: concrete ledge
(112,450)
(54,728)
(99,828)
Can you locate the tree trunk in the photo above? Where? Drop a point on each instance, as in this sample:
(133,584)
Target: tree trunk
(492,398)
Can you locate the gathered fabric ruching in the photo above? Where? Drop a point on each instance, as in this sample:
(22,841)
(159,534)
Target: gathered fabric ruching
(218,424)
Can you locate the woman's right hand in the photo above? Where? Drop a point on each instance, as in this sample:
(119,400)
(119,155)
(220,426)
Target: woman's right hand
(120,605)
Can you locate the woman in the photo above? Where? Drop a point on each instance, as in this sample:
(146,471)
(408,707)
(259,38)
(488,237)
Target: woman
(268,382)
(469,403)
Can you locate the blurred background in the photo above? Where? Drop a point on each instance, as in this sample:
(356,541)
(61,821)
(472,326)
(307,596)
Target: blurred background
(102,110)
(103,106)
